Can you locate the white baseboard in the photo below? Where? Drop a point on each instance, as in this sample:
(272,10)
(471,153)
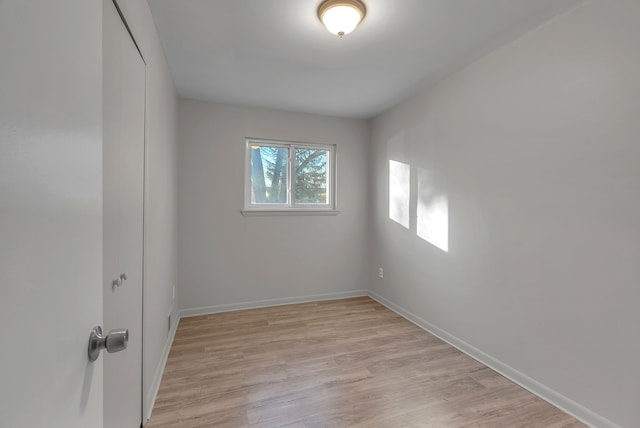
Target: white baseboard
(150,399)
(270,302)
(157,378)
(569,406)
(555,398)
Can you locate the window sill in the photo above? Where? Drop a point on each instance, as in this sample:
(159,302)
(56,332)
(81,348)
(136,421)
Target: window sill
(252,213)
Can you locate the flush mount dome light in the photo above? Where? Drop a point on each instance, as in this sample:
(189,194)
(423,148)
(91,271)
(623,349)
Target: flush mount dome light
(341,16)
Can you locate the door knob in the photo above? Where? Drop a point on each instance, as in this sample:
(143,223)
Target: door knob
(124,276)
(115,341)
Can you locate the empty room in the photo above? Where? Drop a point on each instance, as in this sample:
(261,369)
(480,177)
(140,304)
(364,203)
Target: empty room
(320,213)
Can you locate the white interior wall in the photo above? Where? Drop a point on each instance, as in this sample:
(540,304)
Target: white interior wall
(227,260)
(536,146)
(160,220)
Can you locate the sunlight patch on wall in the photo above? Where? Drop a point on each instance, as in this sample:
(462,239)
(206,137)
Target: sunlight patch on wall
(399,192)
(432,211)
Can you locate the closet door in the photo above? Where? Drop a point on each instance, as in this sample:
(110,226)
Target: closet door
(123,174)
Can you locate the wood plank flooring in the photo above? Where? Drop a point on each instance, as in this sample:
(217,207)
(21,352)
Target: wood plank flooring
(339,363)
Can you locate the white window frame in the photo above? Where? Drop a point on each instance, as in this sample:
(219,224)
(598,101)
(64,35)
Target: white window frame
(291,208)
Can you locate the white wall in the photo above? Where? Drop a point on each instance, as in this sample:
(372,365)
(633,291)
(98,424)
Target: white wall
(228,259)
(537,147)
(160,246)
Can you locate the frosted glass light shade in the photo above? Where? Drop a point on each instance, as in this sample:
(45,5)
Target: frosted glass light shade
(341,16)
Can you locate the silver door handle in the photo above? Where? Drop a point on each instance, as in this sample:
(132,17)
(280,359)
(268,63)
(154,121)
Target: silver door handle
(115,341)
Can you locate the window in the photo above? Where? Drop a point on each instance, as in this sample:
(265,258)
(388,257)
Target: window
(288,177)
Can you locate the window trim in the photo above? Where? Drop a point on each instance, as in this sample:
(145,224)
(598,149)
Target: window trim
(291,208)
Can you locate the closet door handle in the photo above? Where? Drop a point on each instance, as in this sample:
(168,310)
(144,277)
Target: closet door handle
(124,276)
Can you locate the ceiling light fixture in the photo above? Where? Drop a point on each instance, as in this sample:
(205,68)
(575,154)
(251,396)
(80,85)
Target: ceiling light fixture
(341,16)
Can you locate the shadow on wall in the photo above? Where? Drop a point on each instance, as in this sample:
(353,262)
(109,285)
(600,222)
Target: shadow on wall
(432,207)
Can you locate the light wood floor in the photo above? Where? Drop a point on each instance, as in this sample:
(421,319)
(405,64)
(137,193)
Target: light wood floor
(340,363)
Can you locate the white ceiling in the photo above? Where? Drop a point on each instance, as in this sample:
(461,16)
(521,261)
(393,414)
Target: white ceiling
(276,53)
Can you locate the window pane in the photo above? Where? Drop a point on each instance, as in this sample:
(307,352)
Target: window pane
(311,176)
(269,174)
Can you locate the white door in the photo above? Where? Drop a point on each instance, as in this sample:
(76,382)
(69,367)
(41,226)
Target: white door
(50,212)
(123,165)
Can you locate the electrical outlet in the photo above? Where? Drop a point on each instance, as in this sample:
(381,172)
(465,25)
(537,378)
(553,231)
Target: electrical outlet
(380,273)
